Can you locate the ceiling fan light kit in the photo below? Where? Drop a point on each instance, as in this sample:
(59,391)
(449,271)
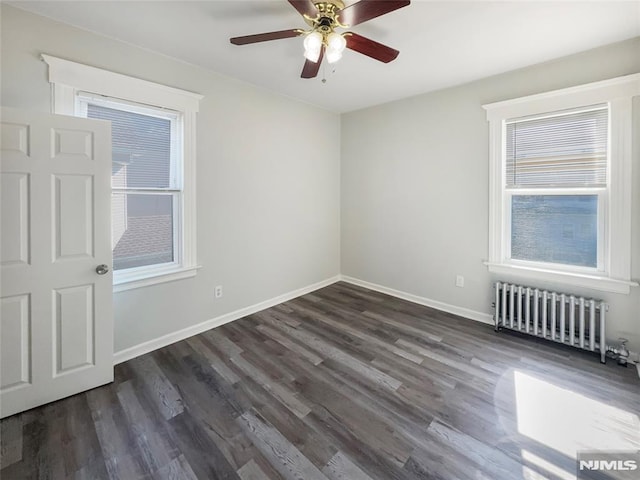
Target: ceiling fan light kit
(335,45)
(322,33)
(312,46)
(322,39)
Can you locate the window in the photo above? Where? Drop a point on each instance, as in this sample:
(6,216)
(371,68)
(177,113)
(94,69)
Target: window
(556,188)
(146,188)
(153,168)
(560,204)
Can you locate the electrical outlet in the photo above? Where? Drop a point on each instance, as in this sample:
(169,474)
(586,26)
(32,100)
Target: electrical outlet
(459,281)
(218,291)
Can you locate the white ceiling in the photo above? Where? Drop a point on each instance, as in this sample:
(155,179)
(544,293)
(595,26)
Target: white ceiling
(441,43)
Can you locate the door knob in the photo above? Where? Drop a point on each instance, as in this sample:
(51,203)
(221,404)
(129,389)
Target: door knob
(102,269)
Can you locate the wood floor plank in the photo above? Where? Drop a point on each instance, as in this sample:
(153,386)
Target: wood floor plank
(362,453)
(390,407)
(343,383)
(222,342)
(280,314)
(201,345)
(194,367)
(313,445)
(49,460)
(155,445)
(369,337)
(212,404)
(202,454)
(440,462)
(340,467)
(372,429)
(449,360)
(305,353)
(10,441)
(273,359)
(161,391)
(494,462)
(389,321)
(176,469)
(252,471)
(121,455)
(286,397)
(353,363)
(83,458)
(284,456)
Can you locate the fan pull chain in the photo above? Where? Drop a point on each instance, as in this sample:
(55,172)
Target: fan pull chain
(324,76)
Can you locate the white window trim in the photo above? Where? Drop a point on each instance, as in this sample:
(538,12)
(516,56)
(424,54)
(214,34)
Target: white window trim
(618,93)
(70,78)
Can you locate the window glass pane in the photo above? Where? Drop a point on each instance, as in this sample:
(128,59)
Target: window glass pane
(142,229)
(555,229)
(141,147)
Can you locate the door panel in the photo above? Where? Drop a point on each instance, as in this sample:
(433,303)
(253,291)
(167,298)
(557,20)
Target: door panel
(72,144)
(15,219)
(15,319)
(15,139)
(72,216)
(57,325)
(74,340)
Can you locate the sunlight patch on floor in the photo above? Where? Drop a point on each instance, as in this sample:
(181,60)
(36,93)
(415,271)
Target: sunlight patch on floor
(545,465)
(568,421)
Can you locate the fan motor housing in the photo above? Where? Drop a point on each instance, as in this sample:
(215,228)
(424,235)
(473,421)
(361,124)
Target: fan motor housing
(327,15)
(338,4)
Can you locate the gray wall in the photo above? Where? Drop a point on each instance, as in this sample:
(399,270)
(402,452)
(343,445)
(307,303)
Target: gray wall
(415,178)
(268,204)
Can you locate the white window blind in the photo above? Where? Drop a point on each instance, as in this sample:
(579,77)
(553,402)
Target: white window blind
(563,149)
(141,146)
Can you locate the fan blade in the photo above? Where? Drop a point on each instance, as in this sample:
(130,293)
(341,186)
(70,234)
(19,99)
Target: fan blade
(305,7)
(264,37)
(365,10)
(370,48)
(310,69)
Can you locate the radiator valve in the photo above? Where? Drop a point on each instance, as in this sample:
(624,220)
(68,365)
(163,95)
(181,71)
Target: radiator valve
(623,353)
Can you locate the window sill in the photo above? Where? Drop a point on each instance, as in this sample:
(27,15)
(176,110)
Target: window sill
(145,279)
(595,282)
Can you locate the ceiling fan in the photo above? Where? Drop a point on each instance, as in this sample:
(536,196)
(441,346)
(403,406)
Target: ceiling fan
(323,41)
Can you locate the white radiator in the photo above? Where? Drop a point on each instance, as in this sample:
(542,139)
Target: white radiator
(560,317)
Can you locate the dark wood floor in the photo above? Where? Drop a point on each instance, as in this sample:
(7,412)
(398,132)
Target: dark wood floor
(343,383)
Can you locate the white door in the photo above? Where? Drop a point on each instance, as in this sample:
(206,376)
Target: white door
(56,321)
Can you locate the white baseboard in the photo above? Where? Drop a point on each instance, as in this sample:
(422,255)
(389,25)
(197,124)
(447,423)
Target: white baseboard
(168,339)
(445,307)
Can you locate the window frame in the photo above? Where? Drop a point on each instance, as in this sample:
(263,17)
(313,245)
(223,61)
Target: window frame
(69,80)
(613,273)
(176,187)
